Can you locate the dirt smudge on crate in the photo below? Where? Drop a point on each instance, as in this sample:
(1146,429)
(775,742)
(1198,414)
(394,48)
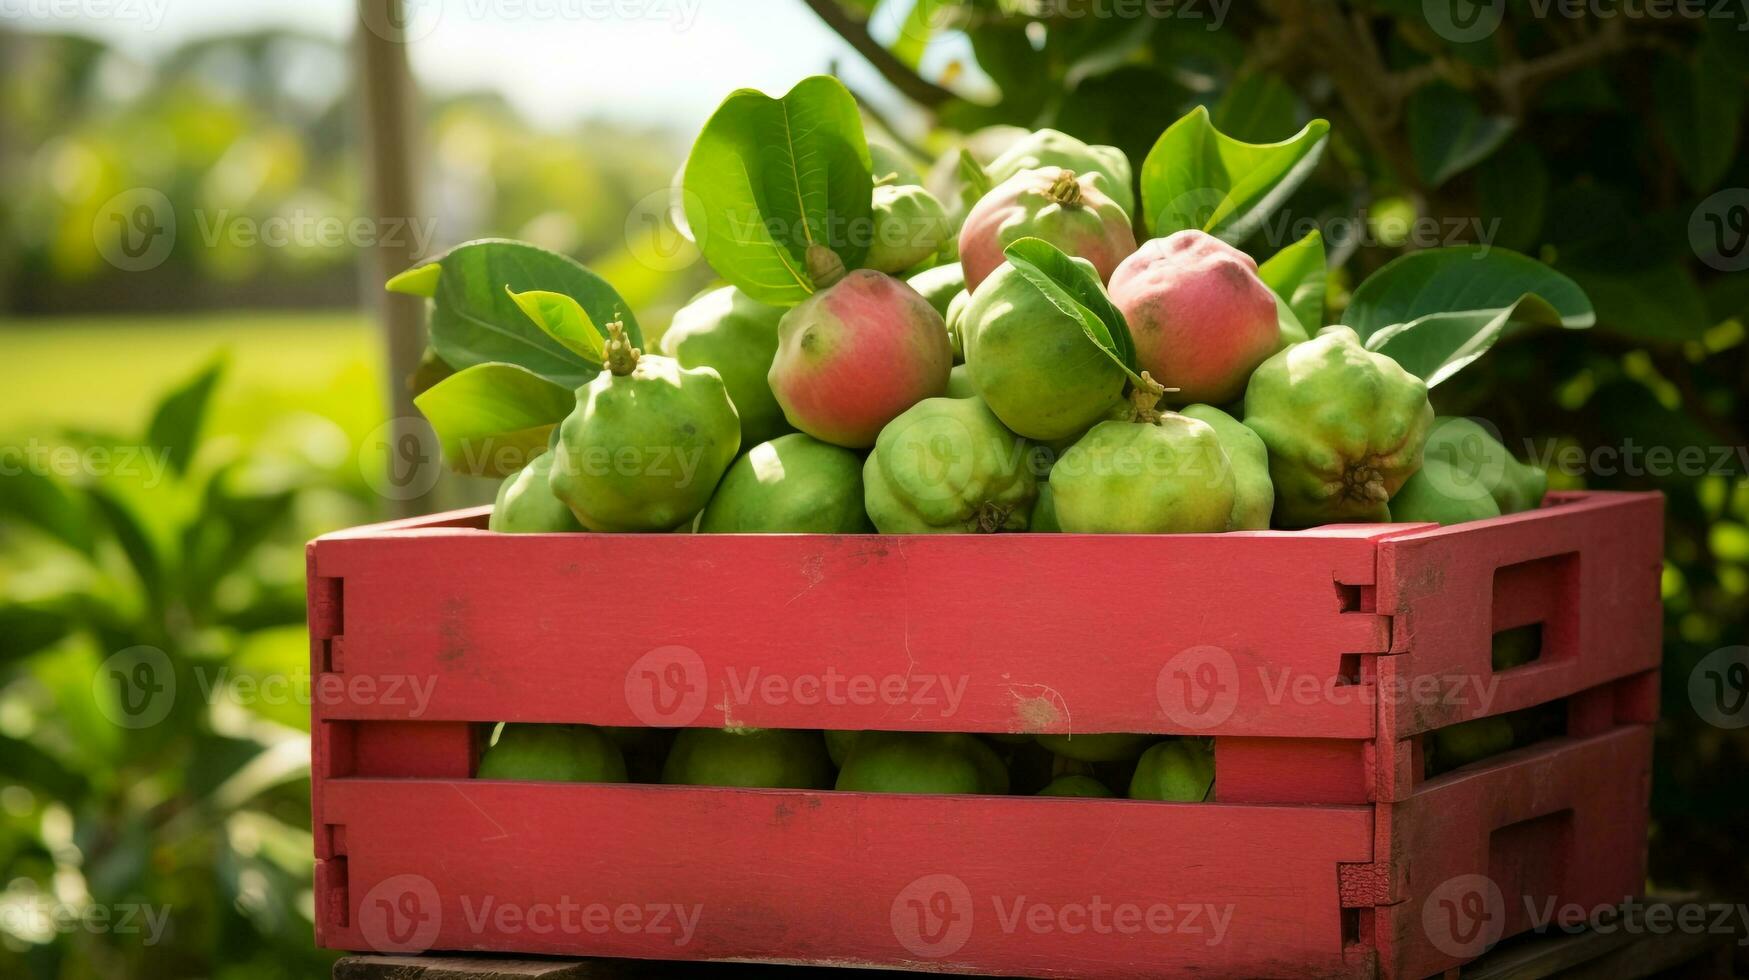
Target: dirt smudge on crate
(452,630)
(1038,708)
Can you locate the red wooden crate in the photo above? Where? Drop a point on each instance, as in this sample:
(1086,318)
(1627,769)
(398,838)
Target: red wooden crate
(1317,660)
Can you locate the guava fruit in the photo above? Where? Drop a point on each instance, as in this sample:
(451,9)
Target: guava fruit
(1152,472)
(1053,204)
(1076,785)
(1253,494)
(526,504)
(1096,747)
(794,484)
(1200,317)
(939,285)
(1034,364)
(1050,148)
(1426,497)
(922,762)
(955,319)
(1345,429)
(1471,741)
(959,383)
(774,758)
(909,224)
(839,743)
(854,355)
(890,161)
(1480,465)
(727,330)
(1180,770)
(1044,512)
(947,465)
(1516,647)
(554,753)
(646,444)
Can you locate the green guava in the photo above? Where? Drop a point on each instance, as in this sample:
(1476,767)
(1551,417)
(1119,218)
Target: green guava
(947,465)
(1057,205)
(773,758)
(1345,429)
(1044,511)
(1427,497)
(1150,473)
(896,163)
(839,743)
(922,762)
(1479,465)
(526,504)
(1034,364)
(553,753)
(1471,741)
(909,225)
(646,444)
(1180,770)
(1253,494)
(940,285)
(1516,647)
(1096,747)
(727,330)
(955,318)
(959,383)
(1085,787)
(1050,148)
(794,484)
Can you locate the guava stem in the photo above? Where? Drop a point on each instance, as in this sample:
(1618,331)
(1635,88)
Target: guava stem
(991,517)
(824,266)
(1145,400)
(621,357)
(1065,190)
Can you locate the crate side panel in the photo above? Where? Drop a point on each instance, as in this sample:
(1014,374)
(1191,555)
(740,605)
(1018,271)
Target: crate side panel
(958,633)
(1005,885)
(1588,569)
(1482,854)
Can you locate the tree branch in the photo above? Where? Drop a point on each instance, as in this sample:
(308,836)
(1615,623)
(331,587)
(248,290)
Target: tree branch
(917,88)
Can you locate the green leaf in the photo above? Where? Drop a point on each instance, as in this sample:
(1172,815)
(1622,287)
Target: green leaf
(1437,311)
(767,178)
(1659,303)
(1512,188)
(176,422)
(491,419)
(1197,177)
(28,496)
(1289,327)
(421,280)
(1257,108)
(1300,275)
(1074,289)
(474,320)
(1448,133)
(564,320)
(1700,106)
(138,544)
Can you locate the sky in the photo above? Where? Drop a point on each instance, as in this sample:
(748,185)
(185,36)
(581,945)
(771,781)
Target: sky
(661,62)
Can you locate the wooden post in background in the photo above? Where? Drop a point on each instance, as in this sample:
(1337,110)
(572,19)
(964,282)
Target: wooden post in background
(388,137)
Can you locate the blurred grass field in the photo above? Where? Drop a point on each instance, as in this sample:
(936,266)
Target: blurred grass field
(106,373)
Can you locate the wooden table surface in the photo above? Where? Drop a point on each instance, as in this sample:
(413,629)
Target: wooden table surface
(1585,956)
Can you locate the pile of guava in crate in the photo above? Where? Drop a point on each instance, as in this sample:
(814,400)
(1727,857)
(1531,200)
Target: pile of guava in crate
(1039,340)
